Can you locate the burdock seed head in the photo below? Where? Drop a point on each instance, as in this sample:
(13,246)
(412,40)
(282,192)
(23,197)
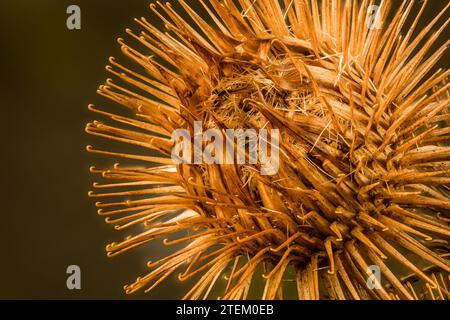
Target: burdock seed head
(363,175)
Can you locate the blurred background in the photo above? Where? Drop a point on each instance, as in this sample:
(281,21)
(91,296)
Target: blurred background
(48,76)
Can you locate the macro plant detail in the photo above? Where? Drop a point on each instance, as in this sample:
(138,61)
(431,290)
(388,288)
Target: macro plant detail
(364,155)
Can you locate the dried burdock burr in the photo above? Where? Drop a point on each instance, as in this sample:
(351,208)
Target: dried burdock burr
(364,156)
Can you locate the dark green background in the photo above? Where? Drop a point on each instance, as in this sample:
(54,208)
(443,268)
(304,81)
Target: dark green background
(48,76)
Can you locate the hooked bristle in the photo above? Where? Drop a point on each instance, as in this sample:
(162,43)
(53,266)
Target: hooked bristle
(362,176)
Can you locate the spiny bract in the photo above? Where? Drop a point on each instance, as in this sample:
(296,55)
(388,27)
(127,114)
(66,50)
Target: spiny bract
(364,162)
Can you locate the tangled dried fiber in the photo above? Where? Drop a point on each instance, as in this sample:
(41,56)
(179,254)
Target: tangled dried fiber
(364,122)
